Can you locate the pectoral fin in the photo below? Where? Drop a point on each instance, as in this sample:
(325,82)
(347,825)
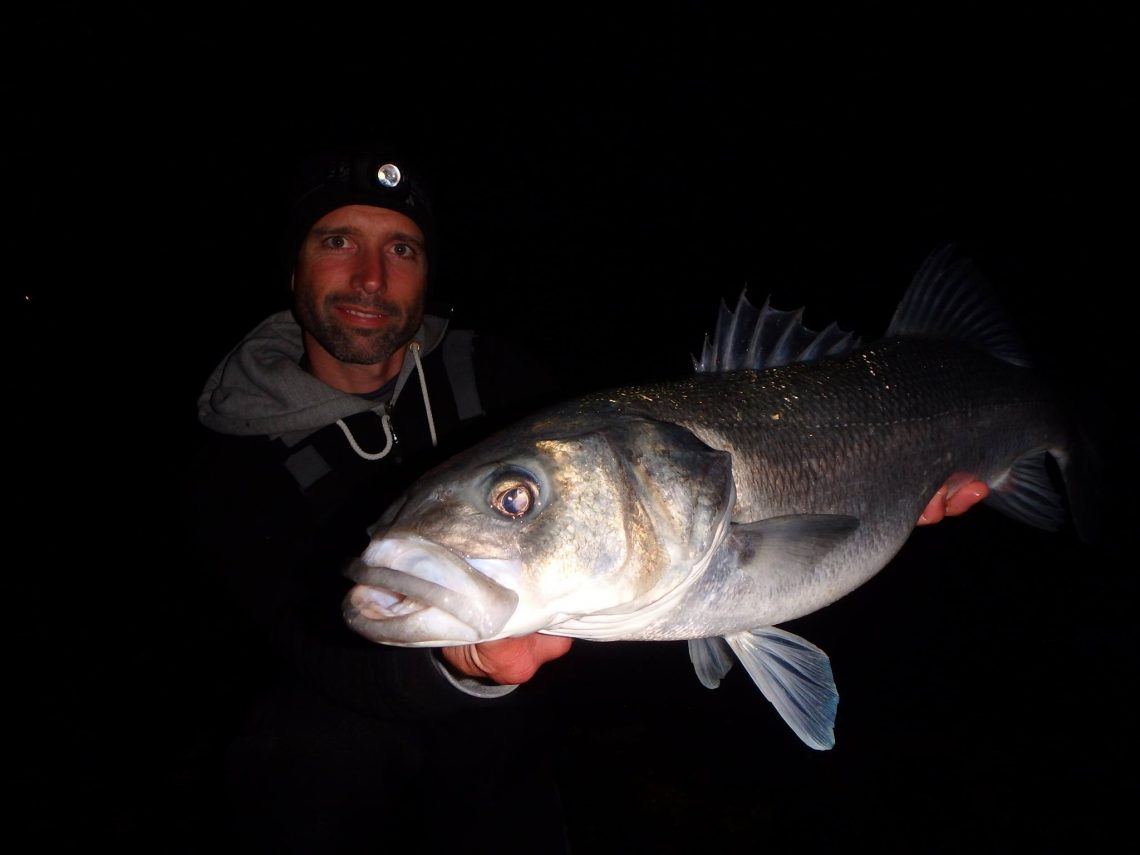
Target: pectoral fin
(793,674)
(795,542)
(779,554)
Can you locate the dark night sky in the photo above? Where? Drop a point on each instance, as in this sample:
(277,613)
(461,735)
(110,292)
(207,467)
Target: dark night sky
(603,179)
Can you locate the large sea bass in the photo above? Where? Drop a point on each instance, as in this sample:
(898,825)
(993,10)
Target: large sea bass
(780,476)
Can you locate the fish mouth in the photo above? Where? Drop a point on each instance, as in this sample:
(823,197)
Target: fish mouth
(414,593)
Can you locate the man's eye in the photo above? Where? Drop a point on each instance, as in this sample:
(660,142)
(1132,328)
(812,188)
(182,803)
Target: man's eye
(404,249)
(336,241)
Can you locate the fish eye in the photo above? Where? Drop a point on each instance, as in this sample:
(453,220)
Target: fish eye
(514,498)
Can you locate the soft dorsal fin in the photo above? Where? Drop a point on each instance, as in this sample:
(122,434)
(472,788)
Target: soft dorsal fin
(766,338)
(949,299)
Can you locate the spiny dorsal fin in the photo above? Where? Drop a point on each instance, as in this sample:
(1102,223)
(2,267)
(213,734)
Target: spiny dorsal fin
(767,338)
(949,299)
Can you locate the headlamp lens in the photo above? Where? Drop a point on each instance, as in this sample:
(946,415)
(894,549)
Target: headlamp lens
(389,175)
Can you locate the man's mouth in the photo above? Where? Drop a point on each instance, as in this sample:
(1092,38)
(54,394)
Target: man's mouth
(367,316)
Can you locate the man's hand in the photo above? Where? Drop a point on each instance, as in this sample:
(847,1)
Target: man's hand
(507,660)
(960,493)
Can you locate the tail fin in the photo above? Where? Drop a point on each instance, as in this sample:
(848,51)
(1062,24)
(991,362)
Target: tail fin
(1083,470)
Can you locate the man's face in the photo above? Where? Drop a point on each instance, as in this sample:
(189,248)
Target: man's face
(359,284)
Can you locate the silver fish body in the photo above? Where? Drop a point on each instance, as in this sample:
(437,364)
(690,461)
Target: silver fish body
(870,436)
(712,508)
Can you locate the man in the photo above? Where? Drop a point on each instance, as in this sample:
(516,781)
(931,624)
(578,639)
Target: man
(315,422)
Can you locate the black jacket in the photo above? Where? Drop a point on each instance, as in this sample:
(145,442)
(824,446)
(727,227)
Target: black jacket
(302,706)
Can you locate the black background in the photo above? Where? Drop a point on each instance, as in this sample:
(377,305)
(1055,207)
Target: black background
(604,175)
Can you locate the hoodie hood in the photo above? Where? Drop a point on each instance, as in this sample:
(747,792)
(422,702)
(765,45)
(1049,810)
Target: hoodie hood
(260,389)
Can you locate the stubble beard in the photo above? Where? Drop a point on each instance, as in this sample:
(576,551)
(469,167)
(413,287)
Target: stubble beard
(359,346)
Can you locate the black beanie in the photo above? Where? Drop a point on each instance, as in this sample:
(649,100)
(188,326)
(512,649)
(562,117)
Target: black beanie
(356,175)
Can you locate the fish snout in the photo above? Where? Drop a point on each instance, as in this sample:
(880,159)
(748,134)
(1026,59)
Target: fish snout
(411,592)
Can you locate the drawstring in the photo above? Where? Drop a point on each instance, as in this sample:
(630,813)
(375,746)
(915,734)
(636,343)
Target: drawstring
(415,346)
(386,421)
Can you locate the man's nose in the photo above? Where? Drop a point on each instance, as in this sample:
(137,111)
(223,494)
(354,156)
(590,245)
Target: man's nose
(371,274)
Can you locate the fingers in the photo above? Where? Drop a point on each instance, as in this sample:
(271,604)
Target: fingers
(547,647)
(506,660)
(960,493)
(965,497)
(935,508)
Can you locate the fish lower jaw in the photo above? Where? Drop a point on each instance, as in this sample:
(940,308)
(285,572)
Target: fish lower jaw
(386,617)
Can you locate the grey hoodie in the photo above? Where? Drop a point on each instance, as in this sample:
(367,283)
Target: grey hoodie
(260,388)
